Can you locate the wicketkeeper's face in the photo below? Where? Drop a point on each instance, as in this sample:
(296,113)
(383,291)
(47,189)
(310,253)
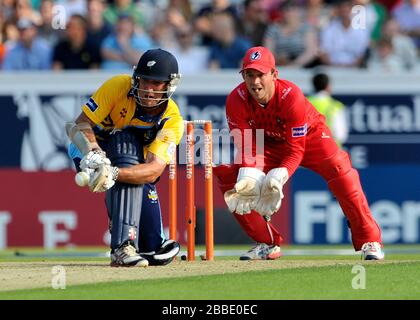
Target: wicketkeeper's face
(151,92)
(260,85)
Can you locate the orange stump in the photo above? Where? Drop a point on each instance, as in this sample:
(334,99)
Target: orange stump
(190,212)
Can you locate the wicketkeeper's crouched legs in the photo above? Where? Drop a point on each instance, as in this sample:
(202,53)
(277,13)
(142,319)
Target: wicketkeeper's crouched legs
(344,183)
(253,223)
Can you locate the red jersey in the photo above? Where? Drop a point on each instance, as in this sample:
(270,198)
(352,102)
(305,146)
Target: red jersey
(287,121)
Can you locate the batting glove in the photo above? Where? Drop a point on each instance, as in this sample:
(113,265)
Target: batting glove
(94,159)
(103,178)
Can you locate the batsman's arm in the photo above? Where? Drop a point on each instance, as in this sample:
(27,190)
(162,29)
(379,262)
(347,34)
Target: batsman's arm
(81,134)
(143,173)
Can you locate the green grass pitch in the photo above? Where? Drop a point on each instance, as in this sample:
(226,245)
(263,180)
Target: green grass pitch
(306,276)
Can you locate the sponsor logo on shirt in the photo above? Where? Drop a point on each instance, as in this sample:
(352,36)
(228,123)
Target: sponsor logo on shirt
(241,94)
(171,150)
(231,122)
(91,104)
(273,134)
(285,92)
(300,131)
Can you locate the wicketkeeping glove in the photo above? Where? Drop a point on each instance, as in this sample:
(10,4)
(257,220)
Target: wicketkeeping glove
(272,191)
(244,197)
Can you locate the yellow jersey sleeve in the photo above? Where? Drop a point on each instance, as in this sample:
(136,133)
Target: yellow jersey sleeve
(164,145)
(101,103)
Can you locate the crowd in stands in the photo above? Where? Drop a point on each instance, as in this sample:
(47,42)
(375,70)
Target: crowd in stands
(382,35)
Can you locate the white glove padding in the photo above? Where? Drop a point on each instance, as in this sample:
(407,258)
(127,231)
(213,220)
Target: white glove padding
(231,199)
(94,159)
(247,188)
(103,178)
(272,192)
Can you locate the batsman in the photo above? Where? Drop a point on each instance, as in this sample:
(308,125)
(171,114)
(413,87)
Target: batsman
(122,141)
(295,134)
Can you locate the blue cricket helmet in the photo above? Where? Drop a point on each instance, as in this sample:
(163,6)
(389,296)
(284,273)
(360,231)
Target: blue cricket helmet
(158,65)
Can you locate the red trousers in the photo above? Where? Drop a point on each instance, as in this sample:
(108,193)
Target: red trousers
(323,156)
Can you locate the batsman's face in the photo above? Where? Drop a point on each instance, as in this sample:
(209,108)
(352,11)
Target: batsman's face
(151,92)
(260,85)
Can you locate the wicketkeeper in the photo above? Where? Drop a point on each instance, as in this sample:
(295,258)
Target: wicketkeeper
(295,134)
(125,136)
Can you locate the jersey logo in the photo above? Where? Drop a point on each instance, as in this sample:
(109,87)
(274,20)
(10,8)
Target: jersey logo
(325,136)
(285,92)
(241,94)
(91,104)
(171,150)
(151,63)
(123,112)
(231,122)
(300,131)
(107,122)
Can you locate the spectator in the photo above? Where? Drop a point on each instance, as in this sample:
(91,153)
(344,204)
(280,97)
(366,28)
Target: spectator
(2,38)
(271,7)
(75,51)
(317,14)
(122,49)
(7,9)
(341,44)
(390,4)
(192,59)
(30,52)
(124,7)
(292,42)
(10,34)
(332,109)
(252,23)
(167,23)
(407,13)
(404,46)
(203,23)
(24,10)
(36,4)
(98,28)
(73,7)
(2,52)
(384,59)
(45,29)
(227,49)
(376,15)
(183,6)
